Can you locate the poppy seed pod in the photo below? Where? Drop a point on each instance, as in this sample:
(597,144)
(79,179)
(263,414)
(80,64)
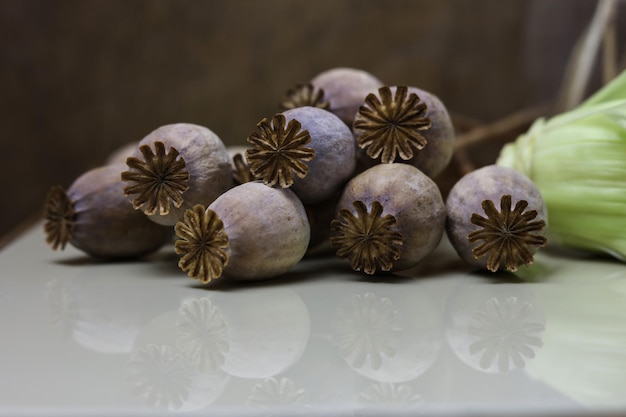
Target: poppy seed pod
(306,148)
(389,218)
(174,168)
(404,124)
(344,89)
(94,216)
(496,218)
(250,232)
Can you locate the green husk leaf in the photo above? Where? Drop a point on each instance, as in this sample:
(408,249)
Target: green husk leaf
(614,90)
(577,159)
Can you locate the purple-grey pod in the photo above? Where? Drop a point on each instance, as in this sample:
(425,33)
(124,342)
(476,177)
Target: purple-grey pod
(496,218)
(250,232)
(404,124)
(335,154)
(345,90)
(389,218)
(174,168)
(306,148)
(94,216)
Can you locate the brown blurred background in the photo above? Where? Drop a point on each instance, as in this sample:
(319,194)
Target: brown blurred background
(79,78)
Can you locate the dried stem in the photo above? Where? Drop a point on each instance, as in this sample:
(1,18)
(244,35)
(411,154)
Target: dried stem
(504,127)
(610,67)
(583,57)
(463,122)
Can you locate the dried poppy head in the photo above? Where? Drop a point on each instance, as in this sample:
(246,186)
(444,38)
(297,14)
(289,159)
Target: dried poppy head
(279,153)
(94,216)
(304,95)
(250,232)
(345,89)
(404,124)
(174,168)
(306,148)
(389,218)
(490,238)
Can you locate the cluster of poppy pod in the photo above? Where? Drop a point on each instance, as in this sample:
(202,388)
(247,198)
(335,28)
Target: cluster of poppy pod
(348,163)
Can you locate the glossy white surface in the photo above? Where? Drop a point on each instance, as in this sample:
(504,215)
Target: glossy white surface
(141,339)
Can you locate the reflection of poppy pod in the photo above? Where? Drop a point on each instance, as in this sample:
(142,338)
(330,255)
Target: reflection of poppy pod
(494,329)
(171,368)
(256,334)
(268,331)
(386,335)
(281,392)
(103,310)
(389,394)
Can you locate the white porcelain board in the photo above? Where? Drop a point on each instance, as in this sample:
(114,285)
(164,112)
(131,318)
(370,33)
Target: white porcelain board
(141,339)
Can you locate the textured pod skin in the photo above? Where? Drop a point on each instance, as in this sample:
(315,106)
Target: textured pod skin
(206,159)
(267,228)
(345,89)
(107,226)
(437,154)
(335,154)
(411,197)
(487,183)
